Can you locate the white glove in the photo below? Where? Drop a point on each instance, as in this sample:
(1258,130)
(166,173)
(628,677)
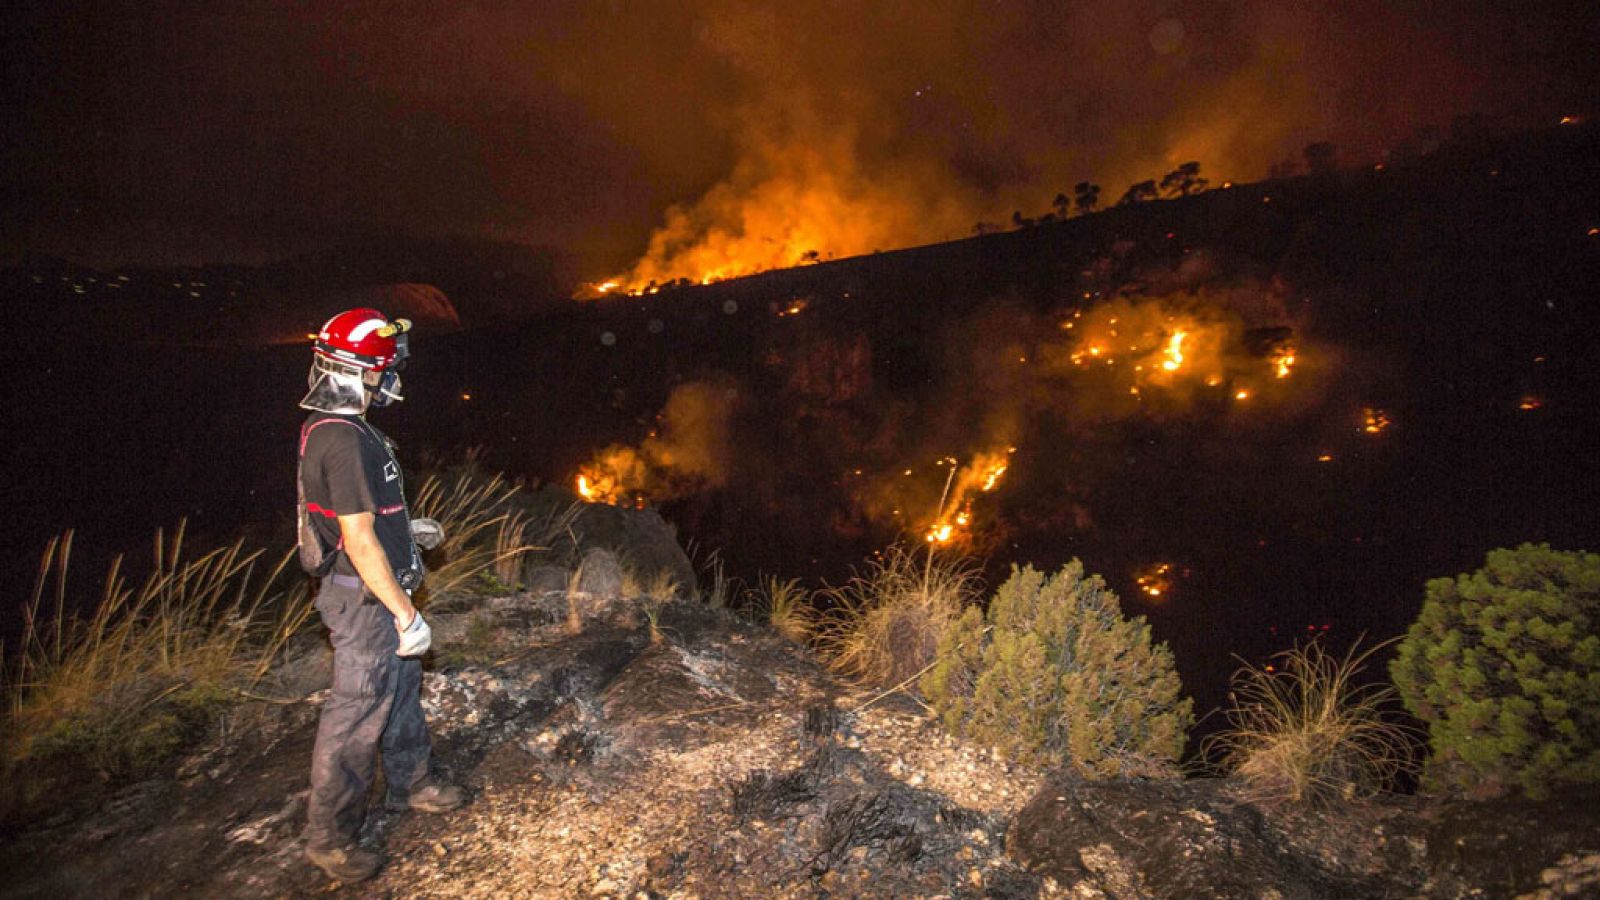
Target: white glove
(428,533)
(416,638)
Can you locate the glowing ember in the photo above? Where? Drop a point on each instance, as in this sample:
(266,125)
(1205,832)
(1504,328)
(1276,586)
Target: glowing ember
(1374,421)
(795,307)
(1155,581)
(1326,457)
(1283,361)
(1530,403)
(1158,352)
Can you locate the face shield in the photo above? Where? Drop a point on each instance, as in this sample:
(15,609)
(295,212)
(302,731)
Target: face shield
(334,388)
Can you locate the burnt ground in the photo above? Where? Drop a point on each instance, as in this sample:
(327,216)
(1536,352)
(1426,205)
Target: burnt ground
(718,760)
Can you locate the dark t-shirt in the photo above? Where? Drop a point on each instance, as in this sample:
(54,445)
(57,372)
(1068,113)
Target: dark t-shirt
(348,467)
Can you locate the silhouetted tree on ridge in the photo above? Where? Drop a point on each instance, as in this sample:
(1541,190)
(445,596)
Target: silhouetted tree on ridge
(1183,181)
(1087,196)
(1139,193)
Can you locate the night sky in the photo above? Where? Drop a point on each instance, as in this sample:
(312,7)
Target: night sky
(208,132)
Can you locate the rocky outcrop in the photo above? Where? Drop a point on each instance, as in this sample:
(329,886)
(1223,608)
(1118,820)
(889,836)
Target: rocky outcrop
(713,760)
(707,757)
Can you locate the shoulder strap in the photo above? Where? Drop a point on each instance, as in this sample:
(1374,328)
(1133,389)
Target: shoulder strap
(306,429)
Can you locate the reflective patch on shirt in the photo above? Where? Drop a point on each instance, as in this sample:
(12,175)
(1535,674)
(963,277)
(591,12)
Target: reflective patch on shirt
(391,470)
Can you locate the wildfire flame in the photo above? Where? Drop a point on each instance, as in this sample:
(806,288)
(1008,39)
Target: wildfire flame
(1155,581)
(617,476)
(980,476)
(1174,351)
(1373,420)
(1175,347)
(688,451)
(1283,361)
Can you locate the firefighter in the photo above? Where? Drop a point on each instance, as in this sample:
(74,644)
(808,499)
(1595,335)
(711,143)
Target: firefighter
(357,534)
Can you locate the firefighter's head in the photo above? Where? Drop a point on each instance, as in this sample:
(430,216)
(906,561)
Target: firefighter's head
(356,362)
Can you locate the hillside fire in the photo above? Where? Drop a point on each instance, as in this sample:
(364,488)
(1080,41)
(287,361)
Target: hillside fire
(1155,580)
(981,475)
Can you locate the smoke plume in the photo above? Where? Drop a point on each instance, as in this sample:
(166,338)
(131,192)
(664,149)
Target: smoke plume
(771,131)
(687,452)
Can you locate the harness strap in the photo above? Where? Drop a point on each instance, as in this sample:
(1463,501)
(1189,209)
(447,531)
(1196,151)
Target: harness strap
(300,478)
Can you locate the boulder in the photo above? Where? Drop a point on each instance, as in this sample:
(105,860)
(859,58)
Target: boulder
(599,575)
(646,544)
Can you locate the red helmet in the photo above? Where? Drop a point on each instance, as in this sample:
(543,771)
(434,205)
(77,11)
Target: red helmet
(363,338)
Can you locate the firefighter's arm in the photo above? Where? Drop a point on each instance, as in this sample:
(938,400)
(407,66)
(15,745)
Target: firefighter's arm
(372,564)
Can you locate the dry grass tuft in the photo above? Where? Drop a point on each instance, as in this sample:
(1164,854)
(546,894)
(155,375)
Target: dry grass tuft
(482,533)
(126,686)
(1308,732)
(659,585)
(883,626)
(789,608)
(722,588)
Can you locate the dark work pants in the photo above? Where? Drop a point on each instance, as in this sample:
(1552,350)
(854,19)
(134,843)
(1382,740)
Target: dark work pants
(375,702)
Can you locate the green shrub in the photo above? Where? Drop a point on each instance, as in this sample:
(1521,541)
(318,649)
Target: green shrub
(1503,666)
(1053,672)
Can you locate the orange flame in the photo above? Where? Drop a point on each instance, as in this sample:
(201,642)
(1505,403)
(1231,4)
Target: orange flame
(1283,361)
(1373,420)
(981,476)
(617,476)
(1155,580)
(1174,351)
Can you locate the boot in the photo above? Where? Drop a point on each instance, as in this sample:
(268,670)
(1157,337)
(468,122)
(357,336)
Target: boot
(430,797)
(347,864)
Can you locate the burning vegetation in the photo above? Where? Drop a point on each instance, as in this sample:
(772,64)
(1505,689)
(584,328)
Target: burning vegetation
(1161,355)
(688,451)
(952,526)
(934,473)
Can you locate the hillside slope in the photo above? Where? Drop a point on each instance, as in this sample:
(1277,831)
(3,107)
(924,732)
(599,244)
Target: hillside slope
(713,759)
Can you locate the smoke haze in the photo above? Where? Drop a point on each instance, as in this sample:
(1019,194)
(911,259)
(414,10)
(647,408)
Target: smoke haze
(706,138)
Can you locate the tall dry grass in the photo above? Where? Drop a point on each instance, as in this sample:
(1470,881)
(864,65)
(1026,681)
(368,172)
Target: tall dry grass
(122,686)
(883,626)
(1310,731)
(789,608)
(482,533)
